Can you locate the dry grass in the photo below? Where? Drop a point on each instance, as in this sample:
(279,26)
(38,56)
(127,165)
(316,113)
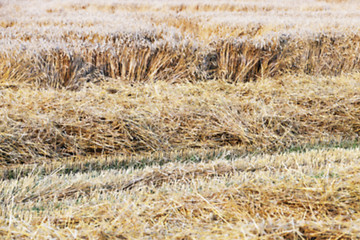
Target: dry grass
(152,119)
(69,43)
(112,117)
(312,195)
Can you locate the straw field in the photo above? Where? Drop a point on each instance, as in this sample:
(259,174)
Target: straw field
(311,195)
(179,119)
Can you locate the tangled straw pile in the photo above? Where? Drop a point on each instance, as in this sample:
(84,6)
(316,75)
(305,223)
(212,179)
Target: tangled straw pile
(113,118)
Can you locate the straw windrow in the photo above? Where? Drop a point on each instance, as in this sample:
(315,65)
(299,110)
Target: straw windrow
(169,119)
(113,118)
(176,42)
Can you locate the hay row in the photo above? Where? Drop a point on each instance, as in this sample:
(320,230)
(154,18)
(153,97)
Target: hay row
(67,43)
(112,117)
(142,61)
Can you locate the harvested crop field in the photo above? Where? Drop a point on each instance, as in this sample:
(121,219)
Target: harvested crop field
(312,195)
(179,119)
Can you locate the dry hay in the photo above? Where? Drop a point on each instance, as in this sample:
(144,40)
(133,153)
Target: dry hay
(137,59)
(117,118)
(67,44)
(126,81)
(118,69)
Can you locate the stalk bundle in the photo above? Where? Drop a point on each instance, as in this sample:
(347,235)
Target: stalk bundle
(176,42)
